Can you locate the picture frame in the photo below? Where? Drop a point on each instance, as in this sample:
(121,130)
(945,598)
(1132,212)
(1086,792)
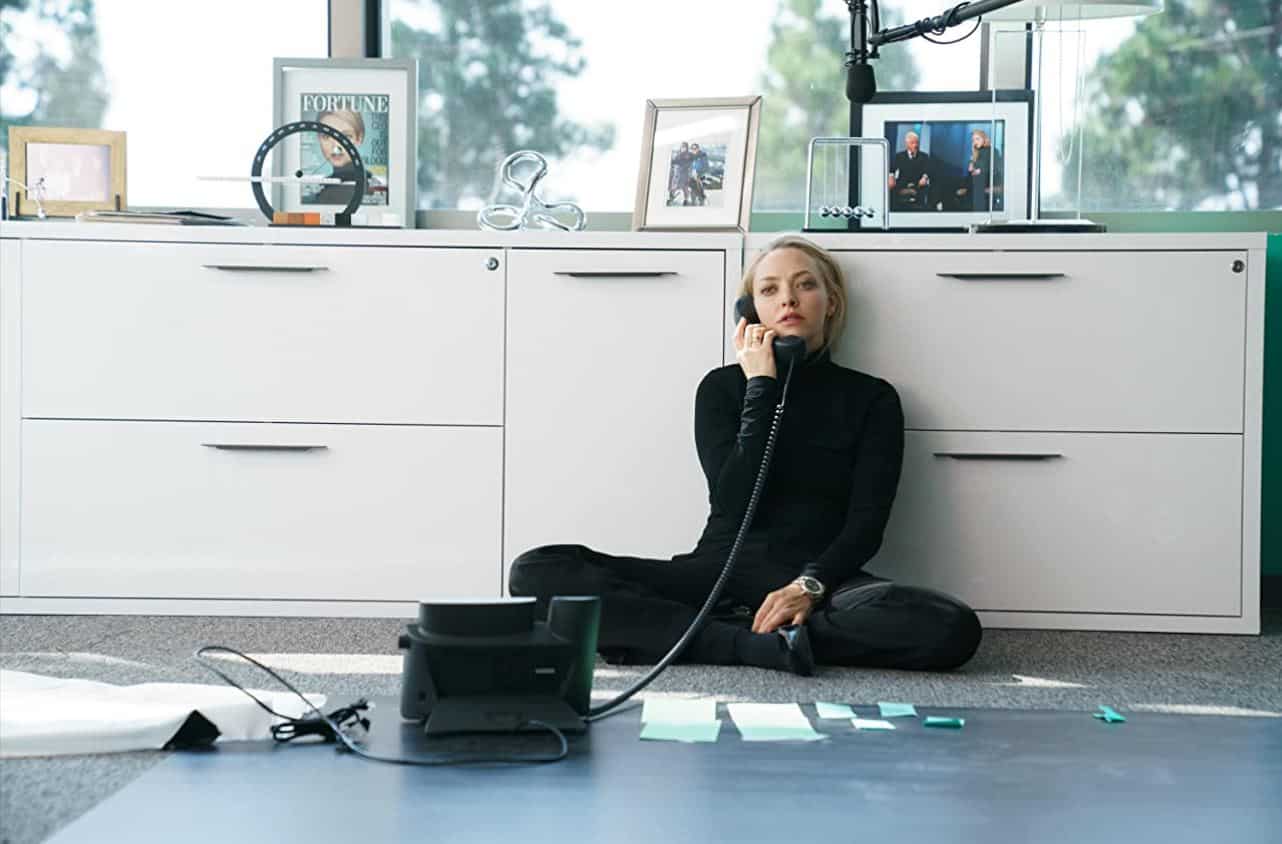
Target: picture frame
(698,160)
(959,189)
(372,101)
(83,170)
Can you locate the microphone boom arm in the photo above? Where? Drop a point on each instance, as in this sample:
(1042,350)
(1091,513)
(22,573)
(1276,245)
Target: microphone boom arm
(860,83)
(957,14)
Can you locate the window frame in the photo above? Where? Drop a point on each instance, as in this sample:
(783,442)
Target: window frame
(361,28)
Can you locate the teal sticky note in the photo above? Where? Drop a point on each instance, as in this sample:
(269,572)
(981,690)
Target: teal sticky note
(834,710)
(781,733)
(1109,715)
(954,723)
(897,710)
(696,732)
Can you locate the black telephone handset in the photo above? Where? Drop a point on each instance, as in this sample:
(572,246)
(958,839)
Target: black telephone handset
(787,348)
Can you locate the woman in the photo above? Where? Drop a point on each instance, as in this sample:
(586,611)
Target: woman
(797,594)
(984,173)
(351,124)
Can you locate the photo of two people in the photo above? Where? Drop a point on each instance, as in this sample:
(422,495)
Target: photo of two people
(946,165)
(695,174)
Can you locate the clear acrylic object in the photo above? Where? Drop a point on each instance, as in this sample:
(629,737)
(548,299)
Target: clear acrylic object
(829,204)
(1055,151)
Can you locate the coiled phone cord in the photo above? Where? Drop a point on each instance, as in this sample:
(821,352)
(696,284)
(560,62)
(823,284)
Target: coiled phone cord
(604,709)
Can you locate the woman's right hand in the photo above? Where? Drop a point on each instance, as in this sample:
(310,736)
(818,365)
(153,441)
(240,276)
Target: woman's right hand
(754,349)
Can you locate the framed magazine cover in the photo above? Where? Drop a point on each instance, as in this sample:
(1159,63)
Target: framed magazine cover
(956,158)
(374,102)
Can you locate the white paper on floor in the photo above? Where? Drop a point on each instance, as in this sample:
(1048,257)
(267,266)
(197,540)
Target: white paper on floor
(52,716)
(675,711)
(767,715)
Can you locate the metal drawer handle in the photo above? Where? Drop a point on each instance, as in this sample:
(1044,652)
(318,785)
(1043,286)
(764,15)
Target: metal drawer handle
(262,447)
(1001,276)
(614,273)
(984,455)
(257,268)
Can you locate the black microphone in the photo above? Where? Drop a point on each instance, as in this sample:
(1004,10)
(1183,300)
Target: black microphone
(861,84)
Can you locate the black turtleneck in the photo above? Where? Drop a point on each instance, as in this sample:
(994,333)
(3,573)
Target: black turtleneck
(834,472)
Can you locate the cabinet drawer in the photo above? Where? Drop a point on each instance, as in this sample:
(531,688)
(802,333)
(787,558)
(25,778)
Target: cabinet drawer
(1053,341)
(184,510)
(1085,523)
(605,352)
(262,333)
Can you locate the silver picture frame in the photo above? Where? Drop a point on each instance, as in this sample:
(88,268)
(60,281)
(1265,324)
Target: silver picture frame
(397,79)
(674,194)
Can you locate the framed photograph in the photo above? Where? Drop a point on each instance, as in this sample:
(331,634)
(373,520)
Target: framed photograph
(697,162)
(374,102)
(81,169)
(956,158)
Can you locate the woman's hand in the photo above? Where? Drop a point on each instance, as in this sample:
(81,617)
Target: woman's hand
(754,349)
(789,605)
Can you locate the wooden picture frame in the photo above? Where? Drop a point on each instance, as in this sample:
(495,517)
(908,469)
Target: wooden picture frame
(84,170)
(679,190)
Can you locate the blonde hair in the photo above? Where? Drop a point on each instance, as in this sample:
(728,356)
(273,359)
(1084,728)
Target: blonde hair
(976,153)
(823,267)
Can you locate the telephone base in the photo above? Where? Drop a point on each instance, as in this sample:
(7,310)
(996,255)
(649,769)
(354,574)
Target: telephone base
(501,715)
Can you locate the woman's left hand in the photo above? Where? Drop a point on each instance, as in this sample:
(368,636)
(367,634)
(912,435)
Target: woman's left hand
(788,605)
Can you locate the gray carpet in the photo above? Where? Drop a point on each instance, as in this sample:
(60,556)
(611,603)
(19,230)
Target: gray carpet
(347,658)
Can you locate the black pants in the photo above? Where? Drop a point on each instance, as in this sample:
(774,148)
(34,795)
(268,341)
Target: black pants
(646,605)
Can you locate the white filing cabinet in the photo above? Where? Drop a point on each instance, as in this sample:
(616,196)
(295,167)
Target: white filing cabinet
(1083,424)
(259,423)
(294,422)
(302,422)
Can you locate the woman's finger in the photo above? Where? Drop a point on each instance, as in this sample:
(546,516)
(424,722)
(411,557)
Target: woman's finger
(764,613)
(760,616)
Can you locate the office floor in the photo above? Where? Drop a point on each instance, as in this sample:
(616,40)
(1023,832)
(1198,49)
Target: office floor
(347,658)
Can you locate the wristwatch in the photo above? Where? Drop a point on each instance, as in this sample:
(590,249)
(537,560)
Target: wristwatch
(813,588)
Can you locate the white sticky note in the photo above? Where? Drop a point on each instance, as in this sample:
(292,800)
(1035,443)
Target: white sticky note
(676,711)
(767,715)
(871,724)
(792,733)
(834,710)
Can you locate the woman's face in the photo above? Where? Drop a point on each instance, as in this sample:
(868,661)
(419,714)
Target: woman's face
(330,148)
(790,298)
(976,140)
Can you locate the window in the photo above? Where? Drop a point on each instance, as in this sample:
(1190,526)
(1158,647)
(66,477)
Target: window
(569,78)
(190,84)
(1180,111)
